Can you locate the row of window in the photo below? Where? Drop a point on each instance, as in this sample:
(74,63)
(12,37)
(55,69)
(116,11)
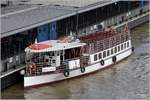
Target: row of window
(111,51)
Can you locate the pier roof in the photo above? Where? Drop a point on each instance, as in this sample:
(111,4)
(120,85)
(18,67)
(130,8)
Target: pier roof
(15,21)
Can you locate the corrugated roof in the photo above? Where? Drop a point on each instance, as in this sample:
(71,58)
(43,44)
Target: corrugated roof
(15,8)
(24,20)
(32,18)
(73,3)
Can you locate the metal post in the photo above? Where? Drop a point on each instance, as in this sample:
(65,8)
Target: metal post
(77,23)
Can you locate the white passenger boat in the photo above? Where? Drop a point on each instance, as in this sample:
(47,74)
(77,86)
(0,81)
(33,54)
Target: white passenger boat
(56,60)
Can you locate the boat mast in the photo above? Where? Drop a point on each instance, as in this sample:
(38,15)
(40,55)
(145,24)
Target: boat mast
(77,24)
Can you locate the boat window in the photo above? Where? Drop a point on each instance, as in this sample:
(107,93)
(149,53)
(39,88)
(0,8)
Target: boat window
(104,54)
(38,59)
(108,53)
(61,52)
(112,51)
(95,57)
(127,44)
(46,60)
(51,54)
(118,48)
(124,45)
(57,53)
(121,46)
(54,61)
(100,55)
(115,49)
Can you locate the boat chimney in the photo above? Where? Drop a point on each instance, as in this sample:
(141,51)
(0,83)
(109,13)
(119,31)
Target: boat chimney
(35,40)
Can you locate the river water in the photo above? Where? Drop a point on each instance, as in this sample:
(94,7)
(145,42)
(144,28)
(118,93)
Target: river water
(128,79)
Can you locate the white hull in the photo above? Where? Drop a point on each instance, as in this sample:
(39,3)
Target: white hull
(48,78)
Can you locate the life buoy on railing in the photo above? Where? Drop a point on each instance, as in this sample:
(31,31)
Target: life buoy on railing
(31,68)
(66,73)
(114,58)
(32,65)
(102,62)
(82,69)
(126,29)
(113,29)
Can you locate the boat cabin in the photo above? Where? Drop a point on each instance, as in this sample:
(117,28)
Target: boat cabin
(51,55)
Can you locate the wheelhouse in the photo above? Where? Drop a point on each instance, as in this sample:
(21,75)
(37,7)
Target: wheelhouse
(50,55)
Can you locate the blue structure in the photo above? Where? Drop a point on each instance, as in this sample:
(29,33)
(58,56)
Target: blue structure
(52,31)
(47,32)
(142,3)
(42,33)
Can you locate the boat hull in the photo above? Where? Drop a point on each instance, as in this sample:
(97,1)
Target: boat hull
(48,78)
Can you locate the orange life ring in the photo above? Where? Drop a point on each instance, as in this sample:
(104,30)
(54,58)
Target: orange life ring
(126,29)
(30,66)
(33,65)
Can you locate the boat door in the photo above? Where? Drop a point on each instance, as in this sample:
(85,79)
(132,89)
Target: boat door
(53,58)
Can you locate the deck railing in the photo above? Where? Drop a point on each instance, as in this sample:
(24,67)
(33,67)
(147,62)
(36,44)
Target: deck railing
(98,44)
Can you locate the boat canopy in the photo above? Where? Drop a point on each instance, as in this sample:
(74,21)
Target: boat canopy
(53,45)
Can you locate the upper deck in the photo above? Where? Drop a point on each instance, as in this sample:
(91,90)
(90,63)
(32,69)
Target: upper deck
(104,40)
(53,45)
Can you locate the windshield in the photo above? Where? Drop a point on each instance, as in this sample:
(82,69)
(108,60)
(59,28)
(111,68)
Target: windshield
(34,57)
(39,57)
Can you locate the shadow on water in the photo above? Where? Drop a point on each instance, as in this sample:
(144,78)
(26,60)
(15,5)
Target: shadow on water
(127,79)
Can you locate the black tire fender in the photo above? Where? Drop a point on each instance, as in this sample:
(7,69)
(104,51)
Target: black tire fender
(114,58)
(66,73)
(82,69)
(132,48)
(102,62)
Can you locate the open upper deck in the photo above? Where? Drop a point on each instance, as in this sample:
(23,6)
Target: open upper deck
(112,33)
(53,45)
(104,40)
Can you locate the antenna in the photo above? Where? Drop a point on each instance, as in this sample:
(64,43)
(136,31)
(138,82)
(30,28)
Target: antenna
(35,40)
(77,22)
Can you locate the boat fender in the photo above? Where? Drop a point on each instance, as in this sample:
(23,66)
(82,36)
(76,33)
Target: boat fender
(114,58)
(82,69)
(102,62)
(133,48)
(66,73)
(22,72)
